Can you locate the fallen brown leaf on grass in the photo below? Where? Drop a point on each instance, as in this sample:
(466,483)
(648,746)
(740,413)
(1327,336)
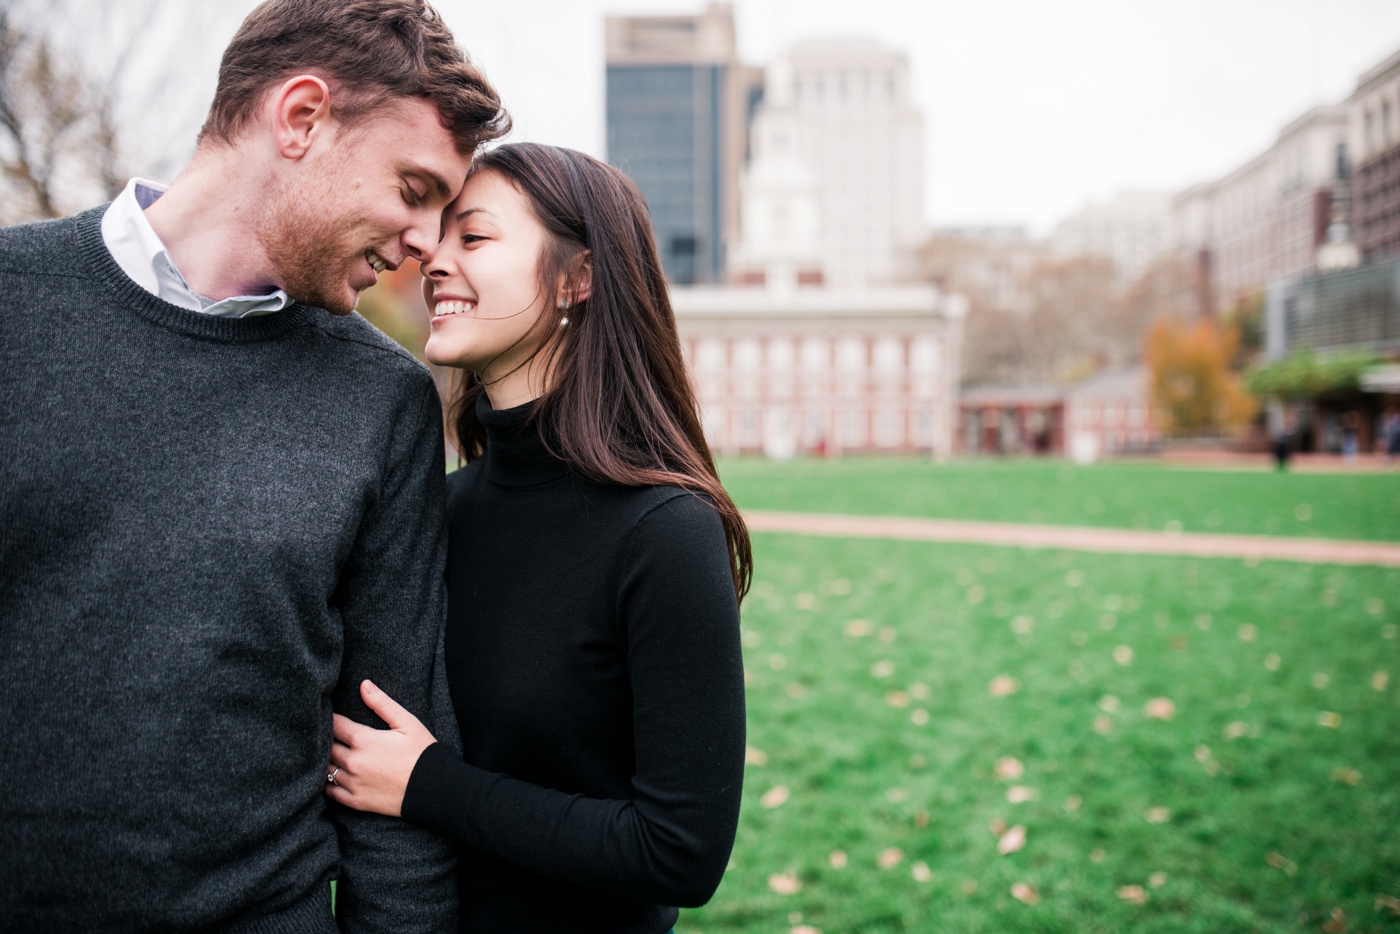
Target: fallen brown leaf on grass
(1002,685)
(1024,893)
(805,929)
(1388,901)
(1108,703)
(776,796)
(785,883)
(1158,815)
(897,699)
(890,858)
(1157,880)
(1020,794)
(1337,924)
(1346,776)
(1133,893)
(921,872)
(1380,680)
(1009,767)
(1073,802)
(858,628)
(1160,708)
(882,669)
(1012,841)
(754,756)
(1329,719)
(838,859)
(1103,726)
(1123,655)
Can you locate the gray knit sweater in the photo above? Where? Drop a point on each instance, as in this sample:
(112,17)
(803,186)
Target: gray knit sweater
(211,530)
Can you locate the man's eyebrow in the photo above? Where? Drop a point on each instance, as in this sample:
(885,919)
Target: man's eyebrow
(434,180)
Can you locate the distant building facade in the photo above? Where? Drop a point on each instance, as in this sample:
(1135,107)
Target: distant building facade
(834,188)
(1106,414)
(1374,129)
(1110,413)
(1132,229)
(1012,420)
(677,112)
(782,371)
(1268,218)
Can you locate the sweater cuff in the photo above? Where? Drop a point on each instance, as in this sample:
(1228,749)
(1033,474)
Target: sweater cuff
(430,786)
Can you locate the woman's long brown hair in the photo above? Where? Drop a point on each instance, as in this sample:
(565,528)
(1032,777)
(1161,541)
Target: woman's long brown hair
(620,408)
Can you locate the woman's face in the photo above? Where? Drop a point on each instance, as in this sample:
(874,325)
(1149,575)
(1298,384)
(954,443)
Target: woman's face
(481,283)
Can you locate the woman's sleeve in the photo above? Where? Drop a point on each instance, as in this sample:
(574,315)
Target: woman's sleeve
(669,844)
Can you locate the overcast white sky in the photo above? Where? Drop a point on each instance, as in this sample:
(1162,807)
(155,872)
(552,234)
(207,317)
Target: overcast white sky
(1030,106)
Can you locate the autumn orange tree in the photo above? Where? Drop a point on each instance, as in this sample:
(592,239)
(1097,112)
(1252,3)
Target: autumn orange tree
(1192,384)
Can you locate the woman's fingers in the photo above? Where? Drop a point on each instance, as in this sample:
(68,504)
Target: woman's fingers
(345,730)
(387,708)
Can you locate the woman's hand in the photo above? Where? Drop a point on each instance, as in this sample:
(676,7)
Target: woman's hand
(369,768)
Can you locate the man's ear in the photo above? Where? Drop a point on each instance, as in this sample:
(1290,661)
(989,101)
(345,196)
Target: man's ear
(301,113)
(578,285)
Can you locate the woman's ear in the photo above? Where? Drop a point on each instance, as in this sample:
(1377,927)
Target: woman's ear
(578,284)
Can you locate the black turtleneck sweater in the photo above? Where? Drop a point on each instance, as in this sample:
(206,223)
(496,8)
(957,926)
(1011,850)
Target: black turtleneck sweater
(594,662)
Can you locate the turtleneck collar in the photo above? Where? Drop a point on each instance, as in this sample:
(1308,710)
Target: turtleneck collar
(515,452)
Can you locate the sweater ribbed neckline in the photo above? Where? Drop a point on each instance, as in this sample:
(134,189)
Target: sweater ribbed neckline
(515,450)
(130,296)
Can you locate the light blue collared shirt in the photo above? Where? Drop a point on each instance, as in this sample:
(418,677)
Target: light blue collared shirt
(139,252)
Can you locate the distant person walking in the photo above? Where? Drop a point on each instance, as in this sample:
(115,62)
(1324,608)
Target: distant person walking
(1351,425)
(1390,433)
(1283,445)
(222,495)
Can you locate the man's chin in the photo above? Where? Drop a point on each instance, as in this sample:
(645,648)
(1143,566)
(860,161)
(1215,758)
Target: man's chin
(340,303)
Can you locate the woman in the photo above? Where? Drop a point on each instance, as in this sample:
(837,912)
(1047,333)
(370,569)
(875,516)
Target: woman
(595,568)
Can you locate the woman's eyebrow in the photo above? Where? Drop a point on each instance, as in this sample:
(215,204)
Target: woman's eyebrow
(470,211)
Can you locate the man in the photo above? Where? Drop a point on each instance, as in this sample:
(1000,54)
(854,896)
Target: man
(221,498)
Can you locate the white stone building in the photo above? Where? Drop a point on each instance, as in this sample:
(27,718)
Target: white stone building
(782,371)
(834,185)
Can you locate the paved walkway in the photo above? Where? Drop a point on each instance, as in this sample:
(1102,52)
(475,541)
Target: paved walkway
(1081,538)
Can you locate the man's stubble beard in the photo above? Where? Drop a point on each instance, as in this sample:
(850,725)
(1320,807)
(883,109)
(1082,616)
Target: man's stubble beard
(310,250)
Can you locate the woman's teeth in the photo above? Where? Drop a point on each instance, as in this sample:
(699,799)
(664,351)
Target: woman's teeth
(451,307)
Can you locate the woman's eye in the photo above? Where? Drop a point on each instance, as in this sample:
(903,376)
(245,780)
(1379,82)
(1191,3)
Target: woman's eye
(469,239)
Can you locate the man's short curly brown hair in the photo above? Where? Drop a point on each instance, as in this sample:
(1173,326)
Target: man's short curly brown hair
(369,51)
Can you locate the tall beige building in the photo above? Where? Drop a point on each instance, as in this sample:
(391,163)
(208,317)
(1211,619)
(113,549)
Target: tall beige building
(834,187)
(1132,229)
(1266,220)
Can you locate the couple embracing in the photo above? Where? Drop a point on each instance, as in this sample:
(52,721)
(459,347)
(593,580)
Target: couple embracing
(251,638)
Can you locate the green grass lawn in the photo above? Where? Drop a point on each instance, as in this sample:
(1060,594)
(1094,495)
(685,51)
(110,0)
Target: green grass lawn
(1362,506)
(879,730)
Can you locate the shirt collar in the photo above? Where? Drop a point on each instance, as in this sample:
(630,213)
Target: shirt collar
(140,253)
